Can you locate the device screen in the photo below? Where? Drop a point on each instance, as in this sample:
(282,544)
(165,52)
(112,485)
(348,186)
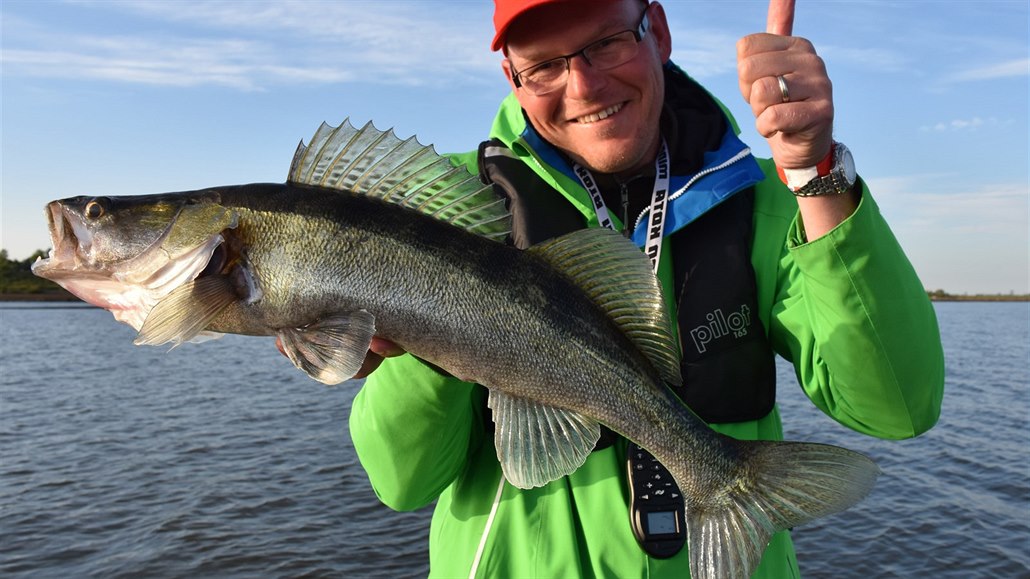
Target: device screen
(661,523)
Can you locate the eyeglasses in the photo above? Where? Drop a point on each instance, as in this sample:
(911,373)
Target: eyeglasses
(606,53)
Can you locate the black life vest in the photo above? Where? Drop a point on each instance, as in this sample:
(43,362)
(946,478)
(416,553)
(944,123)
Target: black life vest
(728,366)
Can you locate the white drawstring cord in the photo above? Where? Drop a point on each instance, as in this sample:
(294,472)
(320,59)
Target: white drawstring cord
(486,530)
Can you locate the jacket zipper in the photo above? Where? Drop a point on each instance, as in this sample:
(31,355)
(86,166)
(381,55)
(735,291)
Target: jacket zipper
(741,155)
(624,191)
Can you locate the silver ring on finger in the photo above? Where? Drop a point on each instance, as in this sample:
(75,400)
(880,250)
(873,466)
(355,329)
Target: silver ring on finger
(784,91)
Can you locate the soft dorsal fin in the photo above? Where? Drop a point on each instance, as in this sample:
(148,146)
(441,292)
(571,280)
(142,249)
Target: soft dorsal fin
(618,277)
(378,164)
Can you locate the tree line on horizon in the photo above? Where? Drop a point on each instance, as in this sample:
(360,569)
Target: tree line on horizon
(16,276)
(16,279)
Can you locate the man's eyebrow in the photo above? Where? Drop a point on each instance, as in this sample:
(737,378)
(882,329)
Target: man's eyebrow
(531,58)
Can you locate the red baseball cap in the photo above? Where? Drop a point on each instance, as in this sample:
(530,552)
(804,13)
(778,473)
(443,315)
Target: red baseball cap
(506,11)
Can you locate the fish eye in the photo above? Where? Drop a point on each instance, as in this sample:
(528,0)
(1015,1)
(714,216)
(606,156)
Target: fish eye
(94,209)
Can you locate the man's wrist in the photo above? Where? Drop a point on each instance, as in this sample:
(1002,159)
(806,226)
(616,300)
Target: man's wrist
(795,179)
(834,175)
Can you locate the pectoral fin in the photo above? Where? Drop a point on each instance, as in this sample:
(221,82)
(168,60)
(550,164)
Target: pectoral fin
(186,311)
(537,444)
(332,349)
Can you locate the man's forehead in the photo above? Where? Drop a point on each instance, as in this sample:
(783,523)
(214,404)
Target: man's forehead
(562,27)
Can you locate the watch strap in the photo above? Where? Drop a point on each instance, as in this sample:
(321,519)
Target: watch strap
(795,179)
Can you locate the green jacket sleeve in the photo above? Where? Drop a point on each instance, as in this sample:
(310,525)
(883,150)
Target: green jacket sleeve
(854,319)
(411,428)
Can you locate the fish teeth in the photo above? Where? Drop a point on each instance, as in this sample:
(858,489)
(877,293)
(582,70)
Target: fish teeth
(593,118)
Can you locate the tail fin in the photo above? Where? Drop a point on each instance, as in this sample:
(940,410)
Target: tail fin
(783,484)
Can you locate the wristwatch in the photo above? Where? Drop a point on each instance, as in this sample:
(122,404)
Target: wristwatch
(832,176)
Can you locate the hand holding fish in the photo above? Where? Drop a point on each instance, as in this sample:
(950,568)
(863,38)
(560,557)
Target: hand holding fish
(789,91)
(378,350)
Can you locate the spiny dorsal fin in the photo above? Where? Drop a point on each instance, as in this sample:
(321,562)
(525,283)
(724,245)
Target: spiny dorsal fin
(378,164)
(618,277)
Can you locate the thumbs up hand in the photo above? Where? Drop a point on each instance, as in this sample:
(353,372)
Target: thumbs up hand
(786,84)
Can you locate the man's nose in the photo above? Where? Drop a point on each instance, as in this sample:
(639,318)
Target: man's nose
(584,80)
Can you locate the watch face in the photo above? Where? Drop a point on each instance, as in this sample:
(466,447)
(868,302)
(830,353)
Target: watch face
(848,165)
(841,178)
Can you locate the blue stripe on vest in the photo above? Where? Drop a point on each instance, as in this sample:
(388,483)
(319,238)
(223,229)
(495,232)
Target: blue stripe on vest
(704,194)
(708,191)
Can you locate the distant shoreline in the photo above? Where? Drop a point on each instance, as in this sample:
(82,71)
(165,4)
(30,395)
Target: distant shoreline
(935,297)
(981,298)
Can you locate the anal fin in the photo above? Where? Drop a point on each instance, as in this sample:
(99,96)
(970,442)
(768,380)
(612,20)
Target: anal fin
(332,349)
(536,443)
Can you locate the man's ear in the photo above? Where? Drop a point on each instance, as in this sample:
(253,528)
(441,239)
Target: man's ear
(660,31)
(508,74)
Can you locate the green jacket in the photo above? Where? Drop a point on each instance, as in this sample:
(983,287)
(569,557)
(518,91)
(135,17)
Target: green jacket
(846,309)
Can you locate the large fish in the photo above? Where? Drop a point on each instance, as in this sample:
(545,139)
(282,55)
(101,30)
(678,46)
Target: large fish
(372,234)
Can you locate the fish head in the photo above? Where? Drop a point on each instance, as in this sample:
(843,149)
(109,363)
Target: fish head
(125,254)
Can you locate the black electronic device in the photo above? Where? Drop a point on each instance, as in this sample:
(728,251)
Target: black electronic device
(656,508)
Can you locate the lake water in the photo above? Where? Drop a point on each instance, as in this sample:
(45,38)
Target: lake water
(222,460)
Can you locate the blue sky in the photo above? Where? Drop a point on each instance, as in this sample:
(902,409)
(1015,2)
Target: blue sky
(130,97)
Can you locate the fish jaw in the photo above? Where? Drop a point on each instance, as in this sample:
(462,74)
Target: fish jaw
(129,288)
(65,265)
(128,296)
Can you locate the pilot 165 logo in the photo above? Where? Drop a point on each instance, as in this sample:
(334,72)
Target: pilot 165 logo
(721,326)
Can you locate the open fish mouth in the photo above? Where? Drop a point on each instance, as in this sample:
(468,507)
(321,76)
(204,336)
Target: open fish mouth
(68,239)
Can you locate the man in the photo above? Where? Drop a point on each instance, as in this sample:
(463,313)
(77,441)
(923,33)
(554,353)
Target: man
(750,270)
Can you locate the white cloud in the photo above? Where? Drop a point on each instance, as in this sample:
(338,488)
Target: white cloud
(132,60)
(965,240)
(250,46)
(1009,69)
(932,205)
(971,124)
(880,60)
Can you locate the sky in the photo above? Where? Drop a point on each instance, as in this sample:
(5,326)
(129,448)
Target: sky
(112,97)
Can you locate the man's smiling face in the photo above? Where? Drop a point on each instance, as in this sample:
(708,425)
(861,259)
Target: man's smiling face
(607,120)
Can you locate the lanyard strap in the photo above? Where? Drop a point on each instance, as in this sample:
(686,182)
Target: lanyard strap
(659,200)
